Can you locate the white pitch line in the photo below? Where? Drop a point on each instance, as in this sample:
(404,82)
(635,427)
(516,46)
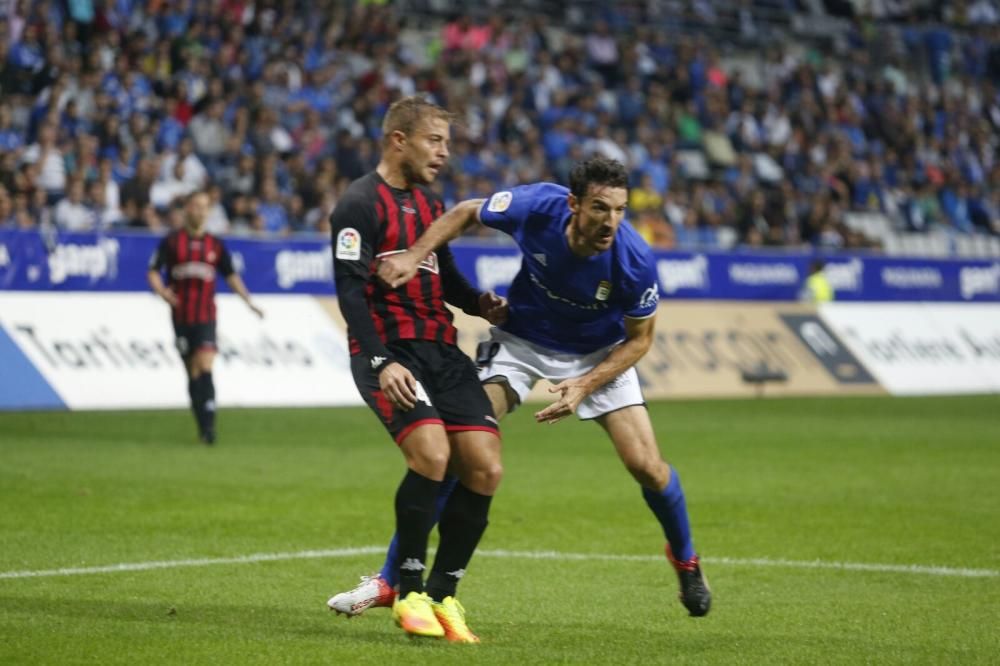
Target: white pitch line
(510,554)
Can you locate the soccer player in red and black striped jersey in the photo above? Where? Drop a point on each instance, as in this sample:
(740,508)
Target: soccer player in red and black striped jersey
(408,368)
(192,258)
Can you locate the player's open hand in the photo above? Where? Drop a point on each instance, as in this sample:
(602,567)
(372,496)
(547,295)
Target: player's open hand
(399,386)
(169,296)
(571,394)
(396,270)
(493,308)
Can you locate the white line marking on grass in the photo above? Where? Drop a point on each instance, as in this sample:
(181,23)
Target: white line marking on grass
(201,562)
(514,555)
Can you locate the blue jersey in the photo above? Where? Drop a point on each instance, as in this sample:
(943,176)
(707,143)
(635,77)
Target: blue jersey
(560,300)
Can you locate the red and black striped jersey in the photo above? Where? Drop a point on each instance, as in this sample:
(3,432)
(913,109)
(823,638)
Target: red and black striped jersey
(372,220)
(192,263)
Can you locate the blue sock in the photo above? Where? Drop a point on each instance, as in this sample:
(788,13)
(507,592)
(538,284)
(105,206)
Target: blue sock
(670,509)
(390,569)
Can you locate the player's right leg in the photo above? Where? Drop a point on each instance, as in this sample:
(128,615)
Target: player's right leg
(427,451)
(631,433)
(419,432)
(378,591)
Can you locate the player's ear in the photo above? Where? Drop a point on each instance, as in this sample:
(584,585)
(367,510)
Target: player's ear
(399,139)
(573,202)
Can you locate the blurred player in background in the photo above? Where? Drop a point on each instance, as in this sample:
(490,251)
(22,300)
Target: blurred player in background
(582,312)
(409,370)
(192,257)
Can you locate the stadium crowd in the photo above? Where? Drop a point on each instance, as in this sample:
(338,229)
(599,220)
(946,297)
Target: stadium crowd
(112,110)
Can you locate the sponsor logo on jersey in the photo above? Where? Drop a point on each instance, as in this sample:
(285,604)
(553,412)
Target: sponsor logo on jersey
(562,299)
(193,270)
(979,280)
(499,202)
(603,290)
(430,263)
(348,244)
(409,210)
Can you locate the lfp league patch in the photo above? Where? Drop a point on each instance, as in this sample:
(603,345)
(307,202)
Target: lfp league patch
(348,244)
(499,202)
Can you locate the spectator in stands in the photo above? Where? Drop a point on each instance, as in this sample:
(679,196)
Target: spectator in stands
(49,158)
(72,212)
(272,216)
(244,102)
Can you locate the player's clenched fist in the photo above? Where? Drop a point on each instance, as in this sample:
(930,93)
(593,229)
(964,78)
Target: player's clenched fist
(493,308)
(398,269)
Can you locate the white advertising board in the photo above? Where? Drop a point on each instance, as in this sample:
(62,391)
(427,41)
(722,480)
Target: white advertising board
(116,350)
(923,348)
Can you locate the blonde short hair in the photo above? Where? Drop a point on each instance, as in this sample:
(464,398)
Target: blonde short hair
(407,113)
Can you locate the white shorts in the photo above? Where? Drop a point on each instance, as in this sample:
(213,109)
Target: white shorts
(522,364)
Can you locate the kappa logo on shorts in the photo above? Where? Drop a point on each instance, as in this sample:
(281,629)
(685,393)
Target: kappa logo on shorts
(500,202)
(348,244)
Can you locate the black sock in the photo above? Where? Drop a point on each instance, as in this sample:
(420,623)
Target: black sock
(414,519)
(193,394)
(207,394)
(462,524)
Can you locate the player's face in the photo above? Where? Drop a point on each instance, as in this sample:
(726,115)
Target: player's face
(598,215)
(197,211)
(425,152)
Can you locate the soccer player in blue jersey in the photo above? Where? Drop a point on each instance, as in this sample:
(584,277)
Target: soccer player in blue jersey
(581,315)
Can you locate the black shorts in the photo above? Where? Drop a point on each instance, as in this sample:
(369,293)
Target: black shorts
(190,338)
(455,398)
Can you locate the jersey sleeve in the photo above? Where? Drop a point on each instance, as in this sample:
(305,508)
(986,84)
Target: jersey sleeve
(226,267)
(507,211)
(354,230)
(644,294)
(161,255)
(458,291)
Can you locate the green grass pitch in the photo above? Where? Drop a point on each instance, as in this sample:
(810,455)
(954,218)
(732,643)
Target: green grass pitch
(771,485)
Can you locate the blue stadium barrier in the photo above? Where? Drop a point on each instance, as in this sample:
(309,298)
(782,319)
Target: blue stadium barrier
(117,262)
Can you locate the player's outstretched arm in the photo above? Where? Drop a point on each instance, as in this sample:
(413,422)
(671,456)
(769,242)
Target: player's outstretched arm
(398,269)
(638,340)
(235,283)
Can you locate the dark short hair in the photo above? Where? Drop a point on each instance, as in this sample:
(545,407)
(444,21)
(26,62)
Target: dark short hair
(405,114)
(597,171)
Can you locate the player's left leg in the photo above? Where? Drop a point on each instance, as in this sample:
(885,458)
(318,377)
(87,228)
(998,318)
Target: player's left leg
(202,387)
(203,392)
(462,524)
(631,433)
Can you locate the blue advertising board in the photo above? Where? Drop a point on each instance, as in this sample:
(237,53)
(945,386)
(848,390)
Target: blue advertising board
(117,262)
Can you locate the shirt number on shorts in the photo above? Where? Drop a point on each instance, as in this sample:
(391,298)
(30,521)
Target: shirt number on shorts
(422,395)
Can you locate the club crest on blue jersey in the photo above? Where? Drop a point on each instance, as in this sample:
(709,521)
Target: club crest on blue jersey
(603,290)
